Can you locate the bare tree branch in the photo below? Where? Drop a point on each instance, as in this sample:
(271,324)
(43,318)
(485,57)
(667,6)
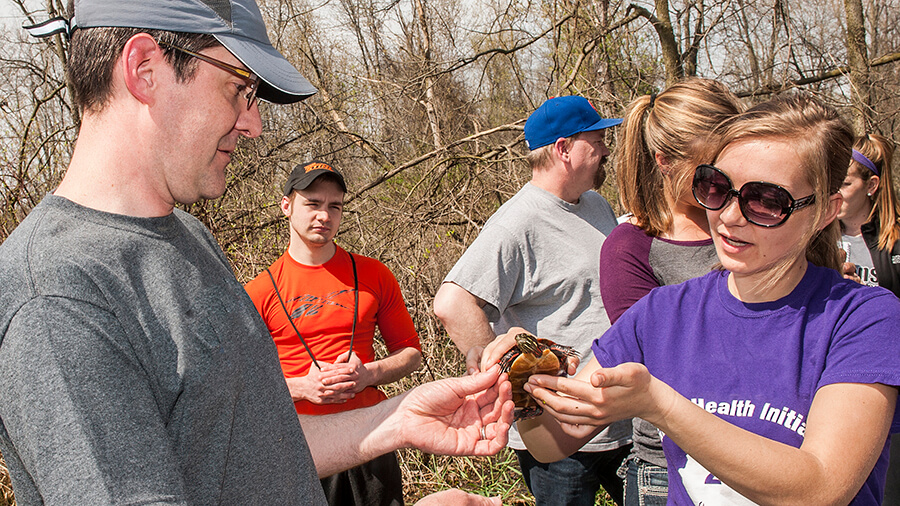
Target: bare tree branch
(431,154)
(840,71)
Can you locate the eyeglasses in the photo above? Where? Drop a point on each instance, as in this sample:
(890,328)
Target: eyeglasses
(762,204)
(251,78)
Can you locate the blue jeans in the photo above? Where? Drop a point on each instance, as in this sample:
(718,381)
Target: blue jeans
(574,481)
(645,484)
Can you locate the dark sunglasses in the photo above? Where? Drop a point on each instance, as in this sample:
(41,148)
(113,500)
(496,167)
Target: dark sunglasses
(763,204)
(250,78)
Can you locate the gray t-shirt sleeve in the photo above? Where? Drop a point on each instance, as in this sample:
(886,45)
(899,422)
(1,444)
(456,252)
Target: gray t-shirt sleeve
(78,407)
(494,269)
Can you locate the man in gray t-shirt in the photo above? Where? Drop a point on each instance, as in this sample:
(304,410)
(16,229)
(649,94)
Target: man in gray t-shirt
(535,265)
(134,369)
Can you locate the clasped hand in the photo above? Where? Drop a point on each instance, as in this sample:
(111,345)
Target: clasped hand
(331,383)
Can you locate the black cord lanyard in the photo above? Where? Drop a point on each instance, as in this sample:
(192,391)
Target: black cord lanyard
(355,310)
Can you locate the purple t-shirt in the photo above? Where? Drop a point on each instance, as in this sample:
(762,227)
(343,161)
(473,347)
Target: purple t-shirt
(631,264)
(758,365)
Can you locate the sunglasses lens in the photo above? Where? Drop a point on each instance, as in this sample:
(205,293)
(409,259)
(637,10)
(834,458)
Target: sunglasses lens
(710,187)
(765,204)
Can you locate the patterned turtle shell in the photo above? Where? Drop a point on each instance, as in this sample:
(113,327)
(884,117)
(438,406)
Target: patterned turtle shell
(533,356)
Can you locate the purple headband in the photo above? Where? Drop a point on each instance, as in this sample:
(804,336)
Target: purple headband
(861,158)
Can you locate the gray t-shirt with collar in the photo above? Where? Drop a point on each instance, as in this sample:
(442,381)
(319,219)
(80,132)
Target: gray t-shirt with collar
(536,264)
(134,368)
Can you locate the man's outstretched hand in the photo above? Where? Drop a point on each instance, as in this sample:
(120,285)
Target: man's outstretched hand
(446,417)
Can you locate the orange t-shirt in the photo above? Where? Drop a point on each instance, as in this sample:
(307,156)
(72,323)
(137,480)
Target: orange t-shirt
(320,301)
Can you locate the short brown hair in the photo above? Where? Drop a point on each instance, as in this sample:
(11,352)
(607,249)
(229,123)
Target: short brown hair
(93,53)
(540,158)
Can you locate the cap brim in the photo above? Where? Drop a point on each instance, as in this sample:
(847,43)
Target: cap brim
(603,123)
(281,82)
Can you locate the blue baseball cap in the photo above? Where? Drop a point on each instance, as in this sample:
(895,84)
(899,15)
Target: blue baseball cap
(563,117)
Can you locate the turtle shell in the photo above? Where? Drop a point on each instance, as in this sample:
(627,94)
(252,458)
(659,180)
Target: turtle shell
(532,355)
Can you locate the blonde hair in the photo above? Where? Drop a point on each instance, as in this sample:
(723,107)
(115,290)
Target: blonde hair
(822,140)
(540,158)
(677,123)
(880,151)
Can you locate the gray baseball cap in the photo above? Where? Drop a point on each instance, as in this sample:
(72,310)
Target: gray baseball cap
(236,24)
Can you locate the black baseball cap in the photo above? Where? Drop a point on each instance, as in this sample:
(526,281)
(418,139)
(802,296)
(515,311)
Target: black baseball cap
(304,174)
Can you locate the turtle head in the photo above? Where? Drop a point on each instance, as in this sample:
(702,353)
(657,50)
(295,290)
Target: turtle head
(528,344)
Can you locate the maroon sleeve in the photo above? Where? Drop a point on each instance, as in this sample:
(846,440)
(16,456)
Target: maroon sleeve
(625,272)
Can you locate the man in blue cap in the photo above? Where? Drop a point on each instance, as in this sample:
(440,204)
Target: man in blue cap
(134,369)
(536,265)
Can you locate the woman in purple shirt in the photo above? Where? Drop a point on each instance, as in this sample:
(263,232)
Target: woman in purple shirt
(774,380)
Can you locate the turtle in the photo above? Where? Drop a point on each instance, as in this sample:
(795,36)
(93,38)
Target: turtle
(532,355)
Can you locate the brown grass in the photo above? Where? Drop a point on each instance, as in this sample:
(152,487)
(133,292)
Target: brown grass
(6,491)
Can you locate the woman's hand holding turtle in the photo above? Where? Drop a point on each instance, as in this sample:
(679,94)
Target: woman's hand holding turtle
(613,394)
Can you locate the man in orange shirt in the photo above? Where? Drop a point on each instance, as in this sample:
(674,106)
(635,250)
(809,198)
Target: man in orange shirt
(322,305)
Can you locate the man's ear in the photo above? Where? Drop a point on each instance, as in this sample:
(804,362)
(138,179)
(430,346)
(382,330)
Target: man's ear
(142,65)
(286,205)
(561,149)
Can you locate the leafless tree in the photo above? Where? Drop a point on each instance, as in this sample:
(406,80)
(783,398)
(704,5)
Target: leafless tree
(422,104)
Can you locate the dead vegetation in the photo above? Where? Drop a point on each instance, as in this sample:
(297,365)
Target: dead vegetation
(422,104)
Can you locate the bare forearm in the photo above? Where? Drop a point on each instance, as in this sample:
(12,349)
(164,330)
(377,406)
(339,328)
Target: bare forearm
(395,366)
(462,315)
(470,331)
(343,440)
(828,468)
(546,440)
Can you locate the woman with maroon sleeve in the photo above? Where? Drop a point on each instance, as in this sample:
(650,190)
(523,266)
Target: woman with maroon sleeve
(666,240)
